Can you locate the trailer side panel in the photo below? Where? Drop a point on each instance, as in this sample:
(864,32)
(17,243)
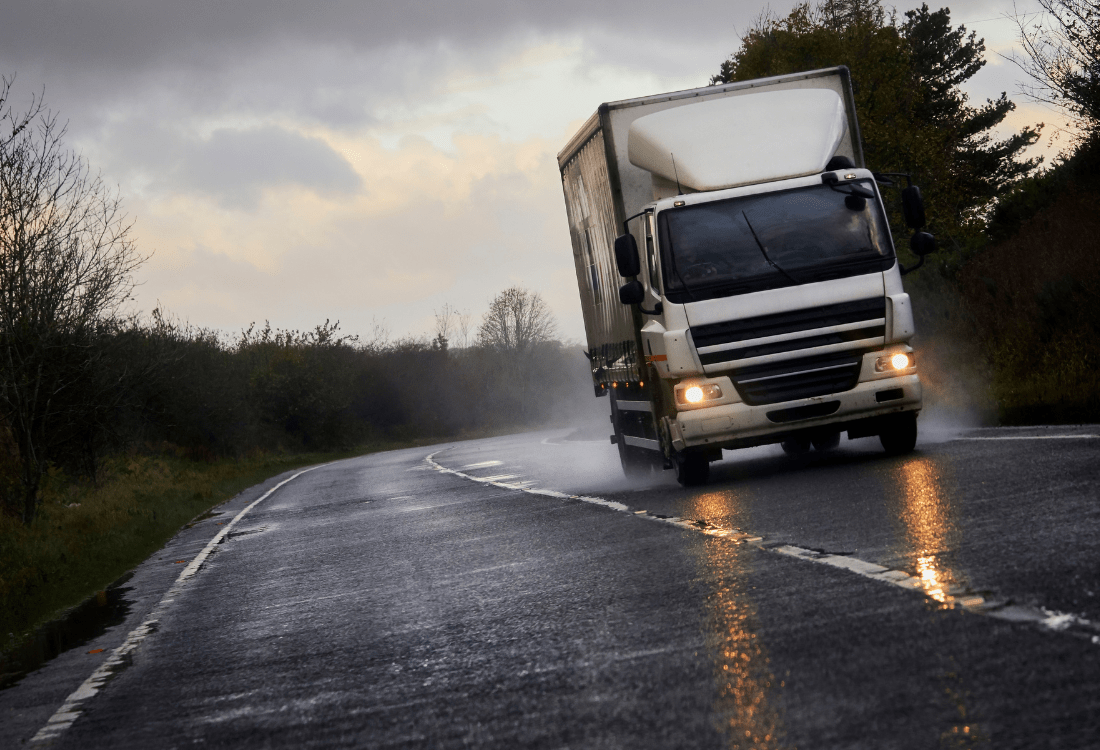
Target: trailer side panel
(592,229)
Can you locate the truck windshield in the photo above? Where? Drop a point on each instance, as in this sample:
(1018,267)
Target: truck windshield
(771,240)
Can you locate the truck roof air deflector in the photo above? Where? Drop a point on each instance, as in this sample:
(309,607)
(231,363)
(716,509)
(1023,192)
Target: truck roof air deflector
(740,140)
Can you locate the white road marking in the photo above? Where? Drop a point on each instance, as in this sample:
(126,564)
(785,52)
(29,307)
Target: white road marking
(969,601)
(482,465)
(521,486)
(563,441)
(71,709)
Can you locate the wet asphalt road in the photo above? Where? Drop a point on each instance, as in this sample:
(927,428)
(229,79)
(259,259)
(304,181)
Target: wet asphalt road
(381,602)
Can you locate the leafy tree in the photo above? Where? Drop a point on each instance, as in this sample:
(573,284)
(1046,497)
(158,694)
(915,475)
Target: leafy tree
(66,265)
(913,116)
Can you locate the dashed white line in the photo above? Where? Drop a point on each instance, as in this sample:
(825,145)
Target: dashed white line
(521,486)
(969,601)
(71,709)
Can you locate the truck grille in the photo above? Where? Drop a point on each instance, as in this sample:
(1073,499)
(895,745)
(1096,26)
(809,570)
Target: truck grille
(868,314)
(792,379)
(827,316)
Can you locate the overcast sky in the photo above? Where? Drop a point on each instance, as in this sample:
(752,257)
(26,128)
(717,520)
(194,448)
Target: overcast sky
(366,162)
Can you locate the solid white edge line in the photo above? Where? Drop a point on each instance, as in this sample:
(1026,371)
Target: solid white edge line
(70,710)
(969,601)
(1032,437)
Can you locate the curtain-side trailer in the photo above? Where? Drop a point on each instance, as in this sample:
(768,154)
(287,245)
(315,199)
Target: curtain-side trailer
(737,273)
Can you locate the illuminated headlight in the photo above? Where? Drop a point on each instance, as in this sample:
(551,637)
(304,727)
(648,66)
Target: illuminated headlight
(899,361)
(697,394)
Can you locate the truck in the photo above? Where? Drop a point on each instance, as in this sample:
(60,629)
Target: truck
(737,273)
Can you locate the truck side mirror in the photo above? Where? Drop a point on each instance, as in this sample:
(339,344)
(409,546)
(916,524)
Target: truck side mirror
(912,206)
(626,256)
(632,292)
(922,244)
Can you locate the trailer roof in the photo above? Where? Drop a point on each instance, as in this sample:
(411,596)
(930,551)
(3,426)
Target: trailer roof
(593,123)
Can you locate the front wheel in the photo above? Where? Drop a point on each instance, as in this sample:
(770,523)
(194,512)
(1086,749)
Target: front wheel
(900,434)
(692,469)
(826,442)
(796,446)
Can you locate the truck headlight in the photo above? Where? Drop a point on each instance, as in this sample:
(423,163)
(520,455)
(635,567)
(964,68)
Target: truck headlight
(697,394)
(897,361)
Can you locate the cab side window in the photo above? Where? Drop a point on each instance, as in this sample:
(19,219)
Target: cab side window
(651,255)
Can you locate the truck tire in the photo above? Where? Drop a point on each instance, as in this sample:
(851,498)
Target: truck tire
(692,469)
(900,434)
(826,442)
(796,446)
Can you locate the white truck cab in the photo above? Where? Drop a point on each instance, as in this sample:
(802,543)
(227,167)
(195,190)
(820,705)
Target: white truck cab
(763,300)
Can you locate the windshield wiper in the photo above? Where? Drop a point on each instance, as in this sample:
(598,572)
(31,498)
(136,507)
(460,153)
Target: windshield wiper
(764,252)
(825,269)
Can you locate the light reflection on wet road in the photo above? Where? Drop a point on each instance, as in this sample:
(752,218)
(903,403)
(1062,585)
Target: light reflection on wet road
(744,709)
(964,518)
(381,602)
(930,532)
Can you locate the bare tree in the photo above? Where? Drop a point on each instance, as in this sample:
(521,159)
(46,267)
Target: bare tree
(66,265)
(516,321)
(1062,59)
(463,322)
(379,340)
(445,321)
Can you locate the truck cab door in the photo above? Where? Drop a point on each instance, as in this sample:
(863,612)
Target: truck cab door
(652,331)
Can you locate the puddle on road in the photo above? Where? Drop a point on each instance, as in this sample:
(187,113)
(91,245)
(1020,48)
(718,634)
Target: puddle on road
(244,532)
(203,517)
(82,624)
(482,465)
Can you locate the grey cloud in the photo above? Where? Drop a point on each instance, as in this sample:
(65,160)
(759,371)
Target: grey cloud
(333,62)
(235,165)
(329,62)
(135,33)
(131,33)
(232,166)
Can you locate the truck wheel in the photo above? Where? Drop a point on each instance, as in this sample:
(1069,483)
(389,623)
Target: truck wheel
(900,435)
(826,442)
(798,446)
(692,469)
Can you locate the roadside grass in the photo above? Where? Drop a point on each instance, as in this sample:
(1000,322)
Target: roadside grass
(86,536)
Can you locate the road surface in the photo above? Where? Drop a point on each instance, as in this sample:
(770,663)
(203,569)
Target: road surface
(518,592)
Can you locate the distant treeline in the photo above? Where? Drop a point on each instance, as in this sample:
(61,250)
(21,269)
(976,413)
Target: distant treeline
(210,395)
(169,386)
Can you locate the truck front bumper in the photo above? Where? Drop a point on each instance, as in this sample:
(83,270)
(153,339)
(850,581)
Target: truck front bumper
(739,425)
